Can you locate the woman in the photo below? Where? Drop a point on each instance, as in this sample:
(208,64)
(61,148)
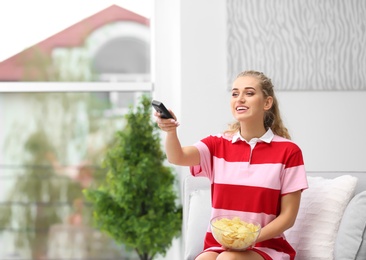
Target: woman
(254,168)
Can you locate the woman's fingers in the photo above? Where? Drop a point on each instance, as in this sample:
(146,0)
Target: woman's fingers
(166,124)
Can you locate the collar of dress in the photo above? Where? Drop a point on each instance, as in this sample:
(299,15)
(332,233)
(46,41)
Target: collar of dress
(267,137)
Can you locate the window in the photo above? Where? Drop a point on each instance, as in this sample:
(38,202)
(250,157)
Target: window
(52,145)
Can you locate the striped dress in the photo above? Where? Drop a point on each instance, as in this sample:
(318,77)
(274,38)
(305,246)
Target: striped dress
(248,179)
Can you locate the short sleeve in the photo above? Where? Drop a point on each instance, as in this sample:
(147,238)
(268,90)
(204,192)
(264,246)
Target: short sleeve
(204,169)
(294,176)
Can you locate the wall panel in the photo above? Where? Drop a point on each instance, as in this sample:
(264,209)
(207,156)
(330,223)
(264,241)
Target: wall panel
(304,44)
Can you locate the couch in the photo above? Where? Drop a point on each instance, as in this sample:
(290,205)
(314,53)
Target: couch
(330,225)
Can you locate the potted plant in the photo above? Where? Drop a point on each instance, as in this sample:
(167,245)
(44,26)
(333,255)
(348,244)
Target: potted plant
(137,204)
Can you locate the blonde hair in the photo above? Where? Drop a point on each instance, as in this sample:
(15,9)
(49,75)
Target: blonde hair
(272,117)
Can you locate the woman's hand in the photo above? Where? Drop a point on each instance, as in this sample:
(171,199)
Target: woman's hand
(176,154)
(290,204)
(166,124)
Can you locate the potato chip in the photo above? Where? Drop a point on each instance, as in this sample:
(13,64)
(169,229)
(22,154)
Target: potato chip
(234,233)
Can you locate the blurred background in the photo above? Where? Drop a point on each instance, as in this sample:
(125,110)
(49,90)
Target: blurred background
(53,141)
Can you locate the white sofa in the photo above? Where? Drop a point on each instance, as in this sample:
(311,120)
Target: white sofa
(331,222)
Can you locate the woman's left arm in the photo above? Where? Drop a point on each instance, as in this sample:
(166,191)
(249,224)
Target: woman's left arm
(289,207)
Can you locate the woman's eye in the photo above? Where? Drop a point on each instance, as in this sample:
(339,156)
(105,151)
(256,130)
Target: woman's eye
(250,93)
(234,94)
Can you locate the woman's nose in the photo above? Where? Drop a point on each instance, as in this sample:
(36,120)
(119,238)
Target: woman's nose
(242,98)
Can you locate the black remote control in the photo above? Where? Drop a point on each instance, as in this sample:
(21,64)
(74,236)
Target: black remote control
(159,107)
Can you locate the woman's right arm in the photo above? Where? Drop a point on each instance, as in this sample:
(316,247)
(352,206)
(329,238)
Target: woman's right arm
(176,154)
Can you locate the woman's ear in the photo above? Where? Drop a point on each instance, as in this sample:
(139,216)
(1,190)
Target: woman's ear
(268,104)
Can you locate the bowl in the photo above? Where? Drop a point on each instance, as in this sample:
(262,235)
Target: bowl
(235,233)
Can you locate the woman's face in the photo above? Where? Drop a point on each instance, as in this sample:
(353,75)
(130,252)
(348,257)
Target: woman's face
(247,100)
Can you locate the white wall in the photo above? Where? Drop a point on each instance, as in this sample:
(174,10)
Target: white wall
(189,67)
(328,126)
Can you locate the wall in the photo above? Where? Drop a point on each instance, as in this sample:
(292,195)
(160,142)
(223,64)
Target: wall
(328,126)
(189,67)
(308,44)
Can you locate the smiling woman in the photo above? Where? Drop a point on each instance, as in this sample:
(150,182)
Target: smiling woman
(253,157)
(25,23)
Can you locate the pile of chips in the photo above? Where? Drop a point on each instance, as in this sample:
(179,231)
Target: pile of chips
(234,233)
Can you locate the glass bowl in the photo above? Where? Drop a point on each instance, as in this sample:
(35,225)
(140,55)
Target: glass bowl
(235,233)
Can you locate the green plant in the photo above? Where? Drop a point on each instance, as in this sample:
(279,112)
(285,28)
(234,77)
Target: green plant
(137,204)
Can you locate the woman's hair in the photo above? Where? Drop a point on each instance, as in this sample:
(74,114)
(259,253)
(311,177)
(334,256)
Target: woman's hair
(272,118)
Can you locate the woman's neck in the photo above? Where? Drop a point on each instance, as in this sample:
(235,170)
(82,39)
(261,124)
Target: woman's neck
(249,131)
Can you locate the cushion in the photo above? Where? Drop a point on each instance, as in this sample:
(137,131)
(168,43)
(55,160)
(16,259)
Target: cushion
(322,206)
(351,238)
(199,214)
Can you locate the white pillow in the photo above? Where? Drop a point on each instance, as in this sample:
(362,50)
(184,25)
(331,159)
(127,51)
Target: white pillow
(199,214)
(322,206)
